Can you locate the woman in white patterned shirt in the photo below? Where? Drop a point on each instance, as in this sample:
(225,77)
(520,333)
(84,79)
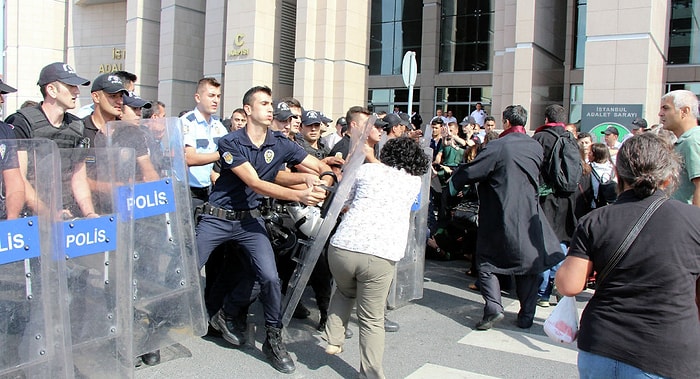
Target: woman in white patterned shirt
(369,241)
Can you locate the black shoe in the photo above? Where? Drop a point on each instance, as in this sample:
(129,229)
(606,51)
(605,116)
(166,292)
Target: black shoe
(390,326)
(231,328)
(489,321)
(522,324)
(322,322)
(212,332)
(348,334)
(276,351)
(301,312)
(152,358)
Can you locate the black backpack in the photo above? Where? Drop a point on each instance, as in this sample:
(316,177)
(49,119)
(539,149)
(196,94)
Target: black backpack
(563,170)
(607,191)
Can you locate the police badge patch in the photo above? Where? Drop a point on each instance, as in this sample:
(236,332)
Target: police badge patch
(269,154)
(3,149)
(228,157)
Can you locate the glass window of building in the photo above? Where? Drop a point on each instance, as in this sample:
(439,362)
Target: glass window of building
(693,87)
(396,27)
(466,35)
(462,100)
(386,99)
(576,103)
(684,30)
(580,52)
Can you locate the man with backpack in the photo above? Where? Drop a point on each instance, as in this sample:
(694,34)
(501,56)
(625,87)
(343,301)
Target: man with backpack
(560,174)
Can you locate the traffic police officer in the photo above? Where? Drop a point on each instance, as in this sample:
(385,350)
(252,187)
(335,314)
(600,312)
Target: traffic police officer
(201,129)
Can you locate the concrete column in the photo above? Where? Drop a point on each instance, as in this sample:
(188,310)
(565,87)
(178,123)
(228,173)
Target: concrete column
(331,74)
(215,46)
(250,48)
(143,45)
(46,41)
(529,46)
(625,60)
(430,56)
(181,52)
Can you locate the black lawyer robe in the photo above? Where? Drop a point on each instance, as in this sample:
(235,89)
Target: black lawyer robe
(514,236)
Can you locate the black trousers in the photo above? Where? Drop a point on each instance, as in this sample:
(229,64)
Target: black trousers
(526,289)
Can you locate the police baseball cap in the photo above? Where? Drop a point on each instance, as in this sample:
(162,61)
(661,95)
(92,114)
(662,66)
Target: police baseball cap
(380,123)
(394,120)
(4,88)
(639,123)
(61,72)
(325,118)
(281,111)
(311,117)
(108,83)
(611,130)
(469,120)
(134,101)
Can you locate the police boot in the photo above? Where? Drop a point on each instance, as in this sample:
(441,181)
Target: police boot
(152,358)
(276,351)
(232,327)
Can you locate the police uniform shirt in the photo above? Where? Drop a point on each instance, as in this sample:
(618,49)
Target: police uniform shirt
(91,131)
(319,153)
(203,136)
(8,152)
(230,192)
(342,147)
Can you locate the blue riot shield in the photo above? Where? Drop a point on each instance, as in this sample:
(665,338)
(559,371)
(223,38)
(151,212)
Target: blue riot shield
(96,240)
(310,249)
(33,316)
(167,297)
(408,278)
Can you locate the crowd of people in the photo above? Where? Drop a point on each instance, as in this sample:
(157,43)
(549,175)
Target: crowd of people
(527,222)
(493,197)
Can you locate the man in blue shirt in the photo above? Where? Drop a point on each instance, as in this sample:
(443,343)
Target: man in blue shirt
(251,162)
(201,129)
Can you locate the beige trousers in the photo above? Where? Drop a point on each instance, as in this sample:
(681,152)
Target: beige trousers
(364,279)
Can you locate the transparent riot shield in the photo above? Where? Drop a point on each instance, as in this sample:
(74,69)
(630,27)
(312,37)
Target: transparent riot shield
(33,316)
(96,242)
(309,253)
(408,278)
(166,292)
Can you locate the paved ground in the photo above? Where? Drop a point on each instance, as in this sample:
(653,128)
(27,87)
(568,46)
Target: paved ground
(436,340)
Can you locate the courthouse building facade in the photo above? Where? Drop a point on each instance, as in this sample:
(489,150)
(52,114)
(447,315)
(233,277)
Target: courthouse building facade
(332,54)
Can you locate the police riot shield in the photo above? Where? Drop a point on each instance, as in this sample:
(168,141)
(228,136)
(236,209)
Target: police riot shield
(166,292)
(408,277)
(33,316)
(307,256)
(96,242)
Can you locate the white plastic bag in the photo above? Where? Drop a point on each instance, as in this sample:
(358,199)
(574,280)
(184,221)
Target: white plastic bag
(562,324)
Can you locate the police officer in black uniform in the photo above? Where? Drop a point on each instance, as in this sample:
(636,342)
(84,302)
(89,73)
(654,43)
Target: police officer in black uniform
(251,159)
